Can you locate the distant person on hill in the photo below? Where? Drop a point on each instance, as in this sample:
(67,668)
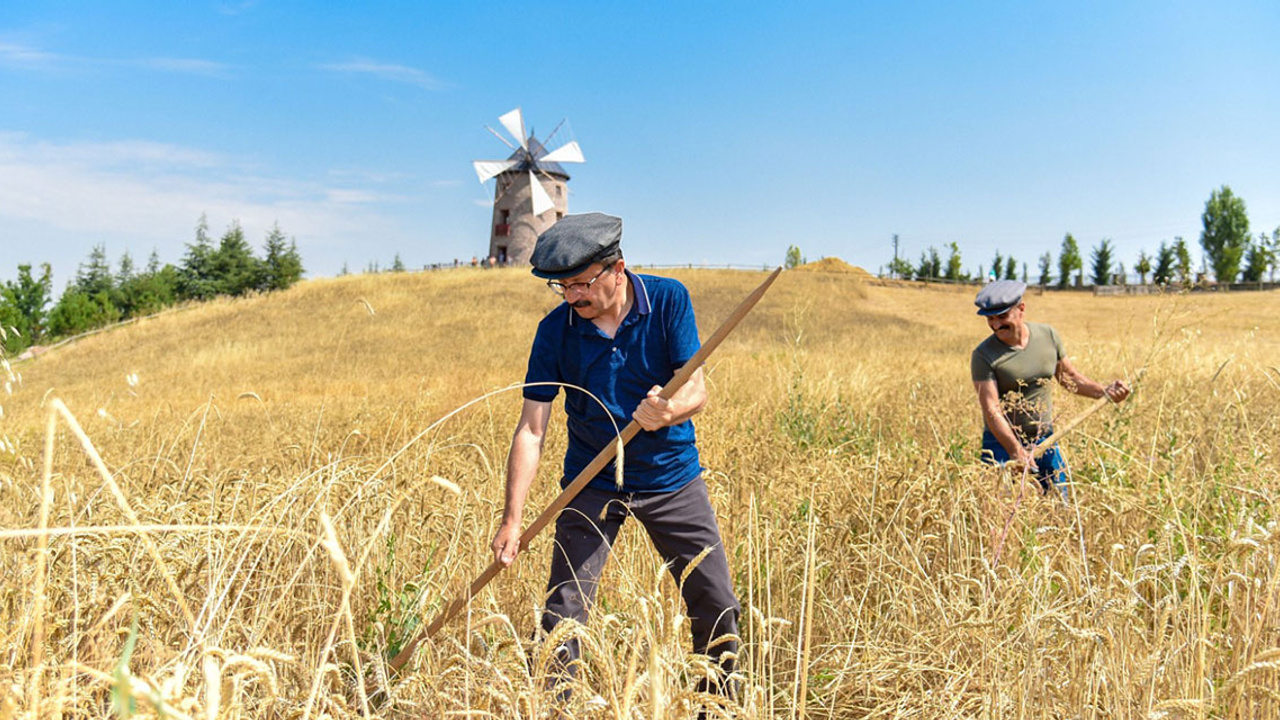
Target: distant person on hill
(619,336)
(1013,370)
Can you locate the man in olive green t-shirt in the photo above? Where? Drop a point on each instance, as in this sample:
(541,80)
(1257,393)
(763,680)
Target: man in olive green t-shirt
(1012,371)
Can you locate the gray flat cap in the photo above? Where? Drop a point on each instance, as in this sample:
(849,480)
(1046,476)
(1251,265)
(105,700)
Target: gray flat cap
(573,243)
(999,296)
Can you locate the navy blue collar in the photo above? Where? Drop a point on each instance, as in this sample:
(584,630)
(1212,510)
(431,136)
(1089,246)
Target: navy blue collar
(639,299)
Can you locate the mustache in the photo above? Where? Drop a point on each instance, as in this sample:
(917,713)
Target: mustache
(581,304)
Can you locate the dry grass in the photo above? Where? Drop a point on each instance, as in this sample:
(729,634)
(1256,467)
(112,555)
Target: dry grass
(275,483)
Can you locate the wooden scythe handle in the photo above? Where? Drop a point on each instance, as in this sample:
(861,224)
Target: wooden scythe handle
(1043,446)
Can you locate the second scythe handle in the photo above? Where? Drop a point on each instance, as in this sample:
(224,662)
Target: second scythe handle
(588,473)
(1043,446)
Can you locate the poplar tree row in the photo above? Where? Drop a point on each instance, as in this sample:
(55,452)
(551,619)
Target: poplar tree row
(1230,253)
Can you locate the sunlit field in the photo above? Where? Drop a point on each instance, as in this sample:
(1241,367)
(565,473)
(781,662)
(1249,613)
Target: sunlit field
(290,486)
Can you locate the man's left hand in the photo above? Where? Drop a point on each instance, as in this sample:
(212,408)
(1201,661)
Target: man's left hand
(1117,391)
(655,412)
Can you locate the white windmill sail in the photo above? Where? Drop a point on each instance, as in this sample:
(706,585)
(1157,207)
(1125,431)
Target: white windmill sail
(486,169)
(541,200)
(526,157)
(514,123)
(569,152)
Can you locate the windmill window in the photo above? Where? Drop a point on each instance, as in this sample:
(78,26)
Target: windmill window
(559,191)
(559,215)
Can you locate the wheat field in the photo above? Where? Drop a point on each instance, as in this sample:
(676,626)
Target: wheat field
(251,504)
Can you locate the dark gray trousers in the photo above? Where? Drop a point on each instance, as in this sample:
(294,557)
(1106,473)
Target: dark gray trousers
(681,524)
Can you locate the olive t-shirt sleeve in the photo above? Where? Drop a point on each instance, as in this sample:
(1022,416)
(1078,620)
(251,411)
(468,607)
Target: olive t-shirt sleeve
(1057,343)
(980,368)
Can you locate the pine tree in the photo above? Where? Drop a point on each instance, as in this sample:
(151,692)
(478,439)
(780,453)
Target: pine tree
(1046,269)
(150,291)
(234,268)
(283,265)
(1257,259)
(1101,263)
(125,273)
(94,275)
(1162,274)
(1183,256)
(195,276)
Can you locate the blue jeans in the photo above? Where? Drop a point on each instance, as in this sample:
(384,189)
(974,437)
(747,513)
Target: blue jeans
(1051,469)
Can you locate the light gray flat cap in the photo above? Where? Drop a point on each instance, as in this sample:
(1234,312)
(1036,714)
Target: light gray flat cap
(573,243)
(997,297)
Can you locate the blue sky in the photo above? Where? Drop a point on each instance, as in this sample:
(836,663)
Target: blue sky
(721,133)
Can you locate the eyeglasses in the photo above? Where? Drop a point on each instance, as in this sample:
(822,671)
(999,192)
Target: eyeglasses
(581,288)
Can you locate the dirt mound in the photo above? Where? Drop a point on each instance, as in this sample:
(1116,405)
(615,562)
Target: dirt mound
(833,265)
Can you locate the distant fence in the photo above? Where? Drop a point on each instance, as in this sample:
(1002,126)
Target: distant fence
(484,265)
(921,283)
(1248,286)
(1099,290)
(765,267)
(1104,290)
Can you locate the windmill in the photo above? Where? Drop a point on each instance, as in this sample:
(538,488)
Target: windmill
(531,192)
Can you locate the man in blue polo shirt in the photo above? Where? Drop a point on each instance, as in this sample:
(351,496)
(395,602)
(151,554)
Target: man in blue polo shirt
(621,337)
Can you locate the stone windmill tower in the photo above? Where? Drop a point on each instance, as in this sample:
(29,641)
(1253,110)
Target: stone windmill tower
(531,192)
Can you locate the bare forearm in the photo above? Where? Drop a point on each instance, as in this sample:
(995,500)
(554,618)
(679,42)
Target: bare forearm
(999,426)
(689,400)
(522,468)
(1076,381)
(994,417)
(1083,386)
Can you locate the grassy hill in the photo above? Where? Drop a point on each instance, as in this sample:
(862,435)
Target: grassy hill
(882,571)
